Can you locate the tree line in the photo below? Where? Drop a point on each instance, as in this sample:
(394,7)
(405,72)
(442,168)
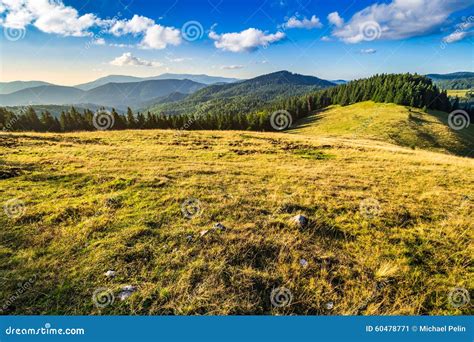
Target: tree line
(403,89)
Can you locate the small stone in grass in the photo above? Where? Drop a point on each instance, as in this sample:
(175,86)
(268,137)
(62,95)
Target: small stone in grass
(203,232)
(300,220)
(329,305)
(219,226)
(126,292)
(110,274)
(189,238)
(304,263)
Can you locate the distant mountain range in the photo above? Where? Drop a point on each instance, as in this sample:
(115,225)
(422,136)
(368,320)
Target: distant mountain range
(451,76)
(204,79)
(455,80)
(339,81)
(118,95)
(180,93)
(11,87)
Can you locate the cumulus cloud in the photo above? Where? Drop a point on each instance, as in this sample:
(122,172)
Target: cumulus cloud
(138,24)
(399,19)
(127,59)
(232,67)
(247,40)
(305,23)
(52,16)
(335,19)
(159,37)
(463,30)
(48,16)
(367,51)
(155,36)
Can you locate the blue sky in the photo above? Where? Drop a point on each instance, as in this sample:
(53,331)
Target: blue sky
(71,41)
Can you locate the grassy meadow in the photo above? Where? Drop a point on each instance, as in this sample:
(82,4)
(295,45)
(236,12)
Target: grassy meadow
(461,93)
(389,232)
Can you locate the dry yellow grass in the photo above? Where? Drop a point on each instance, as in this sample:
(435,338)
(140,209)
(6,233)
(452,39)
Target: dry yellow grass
(390,230)
(461,93)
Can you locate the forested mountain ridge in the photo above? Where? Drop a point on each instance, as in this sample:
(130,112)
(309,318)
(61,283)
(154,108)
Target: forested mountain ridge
(403,89)
(245,96)
(455,80)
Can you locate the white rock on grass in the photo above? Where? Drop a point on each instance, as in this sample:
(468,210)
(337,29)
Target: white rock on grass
(110,274)
(300,220)
(126,292)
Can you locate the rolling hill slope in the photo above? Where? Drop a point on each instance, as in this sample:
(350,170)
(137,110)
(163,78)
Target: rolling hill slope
(400,125)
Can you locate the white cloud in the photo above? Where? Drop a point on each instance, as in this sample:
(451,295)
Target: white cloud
(462,31)
(52,16)
(159,37)
(127,59)
(232,67)
(247,40)
(48,16)
(335,19)
(138,24)
(99,41)
(128,46)
(155,36)
(400,19)
(367,51)
(178,59)
(326,39)
(305,23)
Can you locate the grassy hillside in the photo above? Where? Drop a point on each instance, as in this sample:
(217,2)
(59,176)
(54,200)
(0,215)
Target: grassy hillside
(390,228)
(404,126)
